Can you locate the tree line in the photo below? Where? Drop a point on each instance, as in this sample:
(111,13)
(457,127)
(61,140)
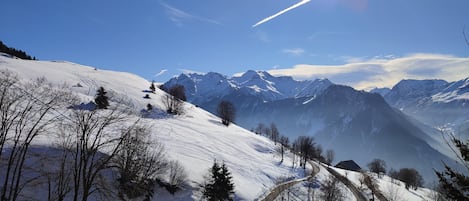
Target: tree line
(15,52)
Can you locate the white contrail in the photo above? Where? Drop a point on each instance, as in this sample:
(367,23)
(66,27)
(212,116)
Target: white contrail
(161,72)
(281,12)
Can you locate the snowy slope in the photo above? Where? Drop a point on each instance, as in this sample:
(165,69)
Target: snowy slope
(454,91)
(391,188)
(196,138)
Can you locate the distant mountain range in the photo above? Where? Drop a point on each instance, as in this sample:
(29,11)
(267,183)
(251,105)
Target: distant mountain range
(356,124)
(434,102)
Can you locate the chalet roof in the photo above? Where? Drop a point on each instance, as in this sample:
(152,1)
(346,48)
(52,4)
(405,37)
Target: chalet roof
(348,165)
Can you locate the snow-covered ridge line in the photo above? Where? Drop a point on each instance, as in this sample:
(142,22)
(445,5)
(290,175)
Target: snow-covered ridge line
(252,83)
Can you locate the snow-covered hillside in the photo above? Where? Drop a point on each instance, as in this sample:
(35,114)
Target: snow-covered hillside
(195,139)
(391,189)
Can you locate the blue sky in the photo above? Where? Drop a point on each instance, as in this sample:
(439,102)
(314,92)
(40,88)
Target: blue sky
(149,36)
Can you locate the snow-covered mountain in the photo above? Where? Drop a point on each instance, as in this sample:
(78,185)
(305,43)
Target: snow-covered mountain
(195,139)
(434,102)
(339,117)
(356,125)
(206,90)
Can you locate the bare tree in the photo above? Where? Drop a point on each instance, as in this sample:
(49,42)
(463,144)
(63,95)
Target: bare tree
(25,115)
(177,176)
(330,190)
(306,147)
(174,99)
(179,92)
(227,112)
(295,152)
(93,144)
(411,177)
(274,133)
(140,161)
(377,166)
(370,183)
(284,141)
(259,129)
(173,105)
(329,156)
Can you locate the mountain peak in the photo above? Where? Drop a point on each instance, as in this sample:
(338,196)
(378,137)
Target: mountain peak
(411,88)
(259,84)
(251,75)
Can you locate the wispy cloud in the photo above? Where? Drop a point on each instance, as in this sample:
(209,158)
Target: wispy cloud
(281,12)
(294,51)
(161,72)
(384,71)
(179,16)
(188,71)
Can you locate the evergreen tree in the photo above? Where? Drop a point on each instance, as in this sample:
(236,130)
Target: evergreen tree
(455,185)
(149,107)
(101,99)
(152,87)
(220,185)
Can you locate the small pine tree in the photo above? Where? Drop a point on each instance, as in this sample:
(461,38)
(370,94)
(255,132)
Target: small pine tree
(101,99)
(220,185)
(152,87)
(149,107)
